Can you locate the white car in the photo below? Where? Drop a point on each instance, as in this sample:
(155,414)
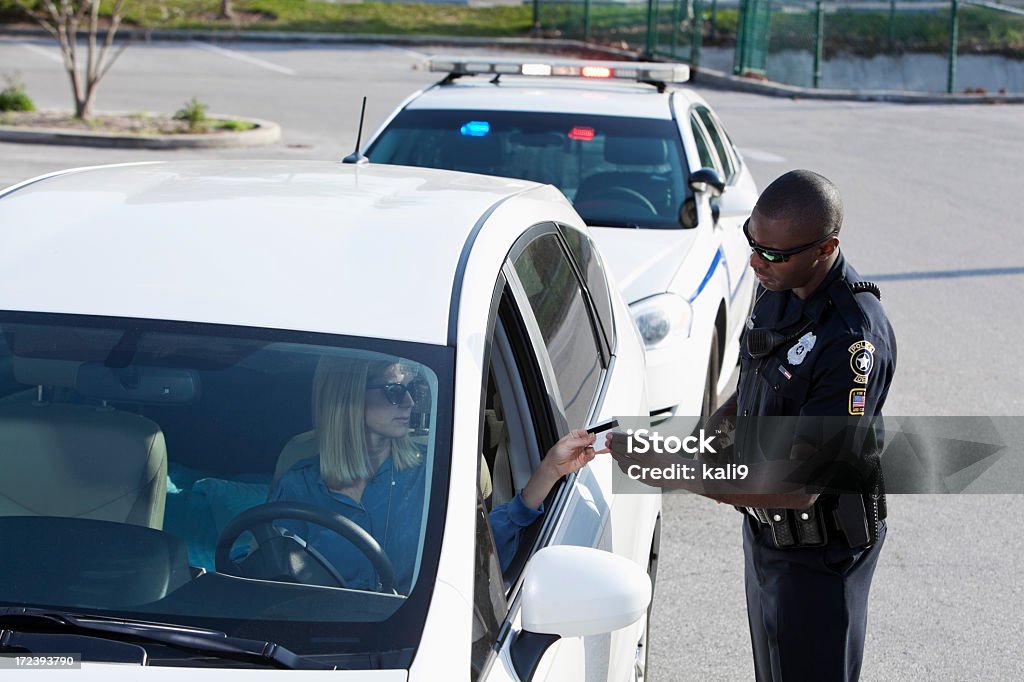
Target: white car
(161,326)
(643,163)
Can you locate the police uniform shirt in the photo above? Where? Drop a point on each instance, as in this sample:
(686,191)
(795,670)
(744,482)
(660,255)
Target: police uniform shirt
(836,359)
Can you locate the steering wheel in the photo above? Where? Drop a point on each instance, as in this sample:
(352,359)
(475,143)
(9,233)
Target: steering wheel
(612,200)
(282,557)
(630,196)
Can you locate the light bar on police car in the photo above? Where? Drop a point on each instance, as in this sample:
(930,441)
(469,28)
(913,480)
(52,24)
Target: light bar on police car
(572,68)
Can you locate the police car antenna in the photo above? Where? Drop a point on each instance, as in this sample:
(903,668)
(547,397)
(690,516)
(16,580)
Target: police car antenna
(356,157)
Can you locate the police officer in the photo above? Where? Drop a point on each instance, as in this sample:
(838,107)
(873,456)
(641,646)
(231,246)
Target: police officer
(817,343)
(817,349)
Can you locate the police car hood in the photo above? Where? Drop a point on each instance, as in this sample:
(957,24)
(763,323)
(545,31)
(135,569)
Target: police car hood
(644,262)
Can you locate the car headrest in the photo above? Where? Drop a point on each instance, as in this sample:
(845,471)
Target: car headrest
(632,151)
(141,384)
(471,153)
(45,371)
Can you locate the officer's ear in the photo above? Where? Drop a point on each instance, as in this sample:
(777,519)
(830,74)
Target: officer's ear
(828,248)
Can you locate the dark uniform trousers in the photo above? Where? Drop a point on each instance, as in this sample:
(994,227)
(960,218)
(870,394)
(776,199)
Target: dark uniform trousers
(807,607)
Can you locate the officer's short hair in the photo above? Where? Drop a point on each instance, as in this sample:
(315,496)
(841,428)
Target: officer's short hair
(805,197)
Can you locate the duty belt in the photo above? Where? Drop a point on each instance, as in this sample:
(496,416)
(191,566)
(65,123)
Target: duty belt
(854,518)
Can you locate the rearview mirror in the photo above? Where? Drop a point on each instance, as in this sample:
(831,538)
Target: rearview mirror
(574,592)
(705,180)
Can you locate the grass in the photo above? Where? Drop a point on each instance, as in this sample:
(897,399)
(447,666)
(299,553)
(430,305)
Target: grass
(851,31)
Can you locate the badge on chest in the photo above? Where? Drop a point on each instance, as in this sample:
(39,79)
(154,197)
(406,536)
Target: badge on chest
(799,351)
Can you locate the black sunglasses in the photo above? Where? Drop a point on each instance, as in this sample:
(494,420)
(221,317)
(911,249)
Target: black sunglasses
(779,255)
(395,393)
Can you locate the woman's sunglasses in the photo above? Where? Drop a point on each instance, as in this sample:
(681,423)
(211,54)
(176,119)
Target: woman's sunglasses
(779,255)
(395,393)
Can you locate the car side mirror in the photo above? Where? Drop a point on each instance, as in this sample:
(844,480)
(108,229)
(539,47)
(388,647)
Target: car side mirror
(688,217)
(707,180)
(573,591)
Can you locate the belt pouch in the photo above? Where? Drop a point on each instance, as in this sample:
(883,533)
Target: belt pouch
(810,527)
(852,519)
(778,519)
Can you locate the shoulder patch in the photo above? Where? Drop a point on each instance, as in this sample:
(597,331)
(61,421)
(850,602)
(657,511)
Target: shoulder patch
(862,359)
(858,398)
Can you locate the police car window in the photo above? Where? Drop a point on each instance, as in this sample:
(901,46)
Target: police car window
(557,302)
(722,144)
(136,442)
(708,158)
(618,171)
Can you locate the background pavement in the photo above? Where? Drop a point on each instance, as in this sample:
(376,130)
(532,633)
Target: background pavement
(932,195)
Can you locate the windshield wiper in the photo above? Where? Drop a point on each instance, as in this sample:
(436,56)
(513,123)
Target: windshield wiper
(209,642)
(611,223)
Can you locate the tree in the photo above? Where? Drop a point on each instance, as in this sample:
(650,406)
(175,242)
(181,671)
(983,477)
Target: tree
(226,12)
(63,19)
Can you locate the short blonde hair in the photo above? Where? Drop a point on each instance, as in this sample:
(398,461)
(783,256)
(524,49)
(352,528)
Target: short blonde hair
(339,417)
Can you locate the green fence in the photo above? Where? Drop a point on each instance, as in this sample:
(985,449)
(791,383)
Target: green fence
(909,45)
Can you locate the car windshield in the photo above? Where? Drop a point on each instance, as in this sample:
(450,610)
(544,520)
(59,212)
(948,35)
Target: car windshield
(137,459)
(617,171)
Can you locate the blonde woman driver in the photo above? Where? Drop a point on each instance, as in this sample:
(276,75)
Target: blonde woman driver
(369,471)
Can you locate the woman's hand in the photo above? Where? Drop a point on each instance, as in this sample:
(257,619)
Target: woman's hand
(571,453)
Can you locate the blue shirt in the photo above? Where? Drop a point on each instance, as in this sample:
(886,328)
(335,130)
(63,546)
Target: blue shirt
(391,510)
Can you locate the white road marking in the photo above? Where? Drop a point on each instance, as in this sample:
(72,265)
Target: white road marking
(761,155)
(50,53)
(411,53)
(232,54)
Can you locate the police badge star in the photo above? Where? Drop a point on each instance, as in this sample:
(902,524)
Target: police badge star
(862,359)
(803,346)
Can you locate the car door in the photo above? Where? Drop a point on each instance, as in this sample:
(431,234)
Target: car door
(548,362)
(734,206)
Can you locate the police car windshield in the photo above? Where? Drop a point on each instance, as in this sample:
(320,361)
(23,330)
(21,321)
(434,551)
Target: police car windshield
(138,458)
(617,171)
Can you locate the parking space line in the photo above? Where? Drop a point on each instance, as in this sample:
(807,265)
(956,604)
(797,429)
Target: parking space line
(50,54)
(761,155)
(256,61)
(406,51)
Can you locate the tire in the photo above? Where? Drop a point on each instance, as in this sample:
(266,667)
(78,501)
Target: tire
(710,402)
(642,664)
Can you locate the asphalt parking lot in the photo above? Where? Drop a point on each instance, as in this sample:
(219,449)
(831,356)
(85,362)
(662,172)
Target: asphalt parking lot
(930,194)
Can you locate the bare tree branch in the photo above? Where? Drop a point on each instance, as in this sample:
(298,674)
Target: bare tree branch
(63,19)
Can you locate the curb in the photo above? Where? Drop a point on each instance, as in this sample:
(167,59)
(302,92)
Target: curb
(265,132)
(213,36)
(699,75)
(722,81)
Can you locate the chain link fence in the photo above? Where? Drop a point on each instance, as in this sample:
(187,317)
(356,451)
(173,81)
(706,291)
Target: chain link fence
(972,46)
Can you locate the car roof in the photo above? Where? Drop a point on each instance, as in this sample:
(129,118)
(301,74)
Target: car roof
(314,246)
(554,95)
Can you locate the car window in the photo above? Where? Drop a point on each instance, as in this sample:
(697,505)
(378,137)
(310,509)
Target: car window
(556,299)
(720,141)
(617,171)
(489,604)
(587,259)
(135,442)
(707,155)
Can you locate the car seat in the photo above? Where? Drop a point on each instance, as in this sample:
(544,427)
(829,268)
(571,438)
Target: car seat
(82,461)
(649,190)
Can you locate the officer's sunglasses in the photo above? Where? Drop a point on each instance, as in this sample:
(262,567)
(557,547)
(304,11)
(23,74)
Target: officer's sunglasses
(395,393)
(779,255)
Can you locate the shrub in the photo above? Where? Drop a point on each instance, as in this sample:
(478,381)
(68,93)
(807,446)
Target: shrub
(235,125)
(194,112)
(14,98)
